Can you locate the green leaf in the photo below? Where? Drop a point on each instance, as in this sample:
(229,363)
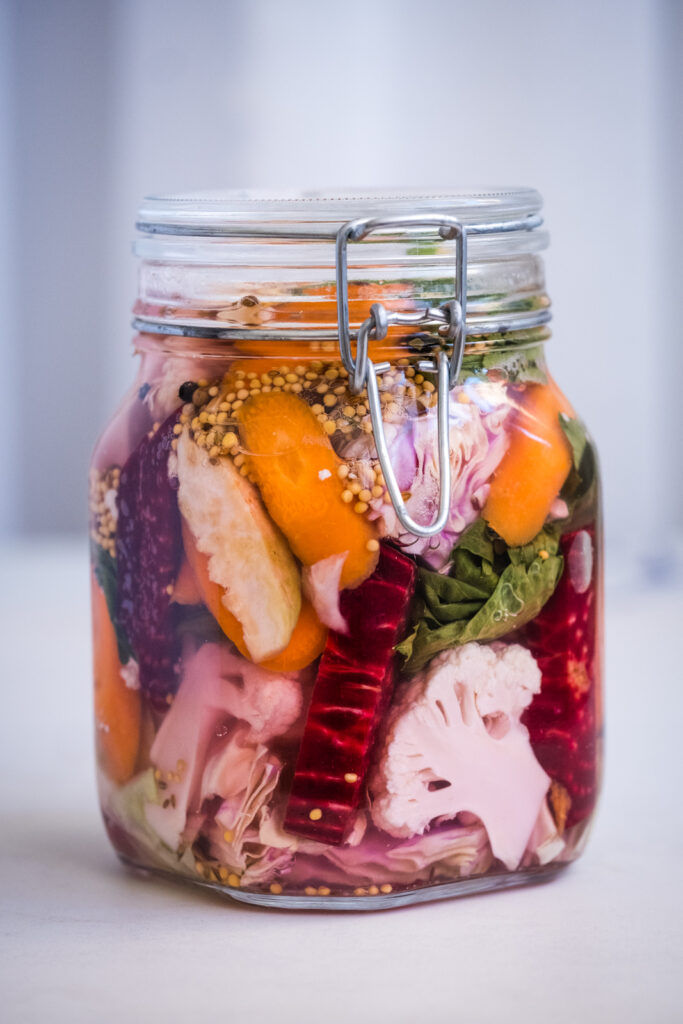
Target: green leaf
(575,433)
(104,567)
(491,590)
(580,491)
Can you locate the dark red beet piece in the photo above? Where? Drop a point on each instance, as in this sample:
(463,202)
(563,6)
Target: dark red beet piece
(148,545)
(355,681)
(562,718)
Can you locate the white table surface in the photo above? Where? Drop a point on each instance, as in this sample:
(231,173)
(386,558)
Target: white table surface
(83,940)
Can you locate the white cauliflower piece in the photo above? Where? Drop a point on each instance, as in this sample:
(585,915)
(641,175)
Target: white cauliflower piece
(455,744)
(202,750)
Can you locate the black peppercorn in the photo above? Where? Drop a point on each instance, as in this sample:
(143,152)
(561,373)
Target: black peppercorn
(186,390)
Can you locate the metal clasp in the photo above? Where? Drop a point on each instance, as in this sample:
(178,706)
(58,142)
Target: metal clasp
(451,317)
(451,320)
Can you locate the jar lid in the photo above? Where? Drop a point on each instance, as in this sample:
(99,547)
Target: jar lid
(318,214)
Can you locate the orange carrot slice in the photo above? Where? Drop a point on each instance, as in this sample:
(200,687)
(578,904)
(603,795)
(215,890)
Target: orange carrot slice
(117,706)
(296,469)
(533,469)
(307,643)
(307,640)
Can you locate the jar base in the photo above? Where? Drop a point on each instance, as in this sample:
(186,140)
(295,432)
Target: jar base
(382,901)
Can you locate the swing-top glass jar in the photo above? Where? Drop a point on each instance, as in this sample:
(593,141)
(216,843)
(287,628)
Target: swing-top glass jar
(346,555)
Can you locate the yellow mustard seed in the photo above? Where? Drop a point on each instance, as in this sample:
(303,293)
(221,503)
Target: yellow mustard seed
(317,408)
(279,381)
(213,391)
(330,400)
(316,814)
(297,388)
(223,873)
(177,429)
(343,471)
(372,544)
(243,393)
(330,427)
(275,888)
(428,386)
(386,888)
(237,405)
(350,777)
(310,891)
(364,495)
(377,491)
(322,389)
(323,891)
(373,890)
(234,880)
(229,440)
(543,554)
(349,411)
(354,487)
(360,507)
(199,867)
(291,378)
(360,892)
(347,496)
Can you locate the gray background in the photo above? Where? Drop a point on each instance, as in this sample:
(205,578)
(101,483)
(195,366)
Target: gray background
(104,101)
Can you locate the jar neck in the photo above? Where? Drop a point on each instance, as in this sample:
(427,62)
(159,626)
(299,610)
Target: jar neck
(214,307)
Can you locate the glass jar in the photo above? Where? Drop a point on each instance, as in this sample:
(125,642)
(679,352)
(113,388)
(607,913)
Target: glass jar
(346,553)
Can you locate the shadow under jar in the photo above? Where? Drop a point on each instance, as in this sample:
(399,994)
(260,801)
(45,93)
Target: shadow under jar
(346,555)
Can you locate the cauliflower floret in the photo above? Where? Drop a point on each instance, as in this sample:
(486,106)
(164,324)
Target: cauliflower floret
(270,702)
(455,744)
(201,748)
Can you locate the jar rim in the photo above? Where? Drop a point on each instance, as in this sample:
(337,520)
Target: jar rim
(319,213)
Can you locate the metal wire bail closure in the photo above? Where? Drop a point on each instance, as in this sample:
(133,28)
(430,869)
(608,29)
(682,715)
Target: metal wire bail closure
(364,373)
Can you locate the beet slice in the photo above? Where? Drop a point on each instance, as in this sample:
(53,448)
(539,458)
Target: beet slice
(352,691)
(562,718)
(148,546)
